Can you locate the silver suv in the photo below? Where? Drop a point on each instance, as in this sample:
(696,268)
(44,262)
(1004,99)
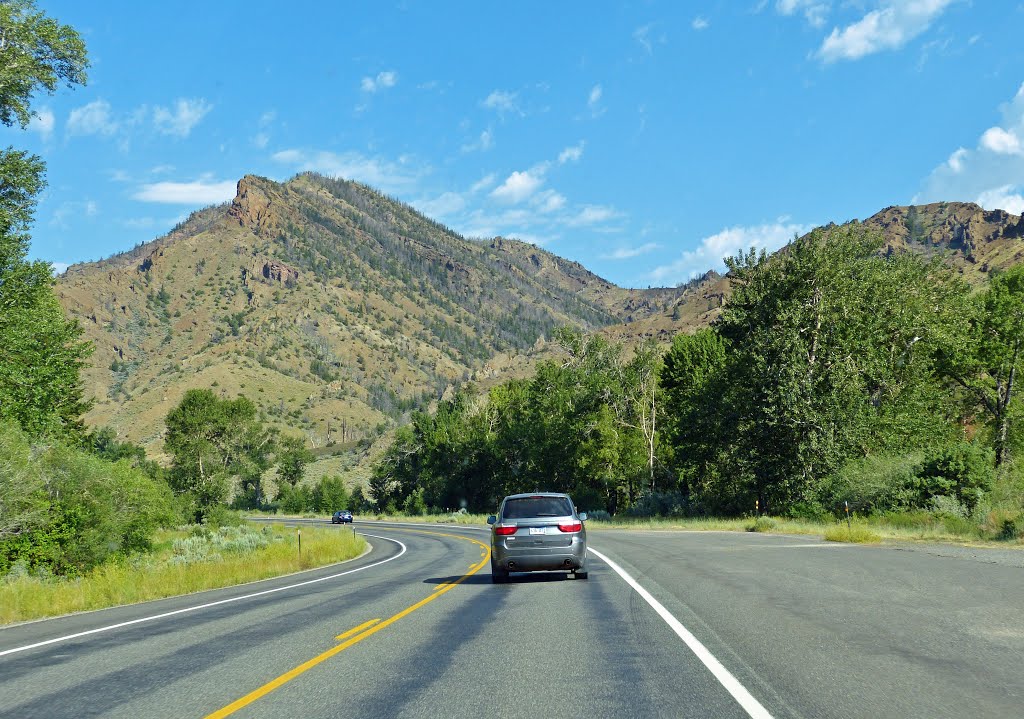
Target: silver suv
(537,532)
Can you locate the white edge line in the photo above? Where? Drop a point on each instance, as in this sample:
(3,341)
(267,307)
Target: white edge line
(207,605)
(723,675)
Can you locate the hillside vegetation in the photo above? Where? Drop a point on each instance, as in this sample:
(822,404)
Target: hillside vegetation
(842,373)
(334,308)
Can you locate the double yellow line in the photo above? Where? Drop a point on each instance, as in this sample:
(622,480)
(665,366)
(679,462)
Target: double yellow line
(356,634)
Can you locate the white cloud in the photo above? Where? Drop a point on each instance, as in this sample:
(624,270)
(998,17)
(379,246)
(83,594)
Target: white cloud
(73,209)
(483,183)
(625,253)
(643,36)
(956,160)
(59,268)
(571,154)
(502,101)
(888,28)
(43,122)
(1000,141)
(548,201)
(1007,197)
(989,172)
(379,173)
(520,185)
(814,11)
(727,243)
(700,23)
(92,119)
(200,192)
(443,206)
(483,143)
(591,215)
(180,120)
(382,81)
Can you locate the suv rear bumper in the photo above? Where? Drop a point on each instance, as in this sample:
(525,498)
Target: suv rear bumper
(530,559)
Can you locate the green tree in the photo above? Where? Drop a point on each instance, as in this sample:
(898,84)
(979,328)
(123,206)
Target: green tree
(41,352)
(36,53)
(988,358)
(330,495)
(832,352)
(692,380)
(63,510)
(213,441)
(292,457)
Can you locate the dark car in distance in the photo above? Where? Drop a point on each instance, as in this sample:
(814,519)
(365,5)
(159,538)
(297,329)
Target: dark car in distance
(538,532)
(342,517)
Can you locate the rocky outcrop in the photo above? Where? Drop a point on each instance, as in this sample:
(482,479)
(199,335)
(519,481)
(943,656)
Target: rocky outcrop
(279,272)
(253,206)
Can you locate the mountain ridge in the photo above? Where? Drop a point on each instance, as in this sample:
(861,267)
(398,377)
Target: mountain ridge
(339,309)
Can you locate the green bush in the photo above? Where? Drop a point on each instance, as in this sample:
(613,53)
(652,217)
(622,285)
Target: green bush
(330,495)
(1012,528)
(964,471)
(63,510)
(762,524)
(295,500)
(873,484)
(414,504)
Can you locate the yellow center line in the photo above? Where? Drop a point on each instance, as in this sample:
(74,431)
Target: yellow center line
(356,630)
(369,628)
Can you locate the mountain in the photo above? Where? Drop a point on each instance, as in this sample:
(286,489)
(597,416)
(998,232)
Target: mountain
(337,309)
(971,239)
(333,307)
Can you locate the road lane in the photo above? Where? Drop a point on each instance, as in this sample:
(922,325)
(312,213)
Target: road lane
(810,629)
(832,630)
(190,664)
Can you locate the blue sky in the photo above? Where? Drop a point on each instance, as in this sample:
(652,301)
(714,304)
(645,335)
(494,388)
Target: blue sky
(645,140)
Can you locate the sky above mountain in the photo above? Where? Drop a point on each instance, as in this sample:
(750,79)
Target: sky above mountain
(646,140)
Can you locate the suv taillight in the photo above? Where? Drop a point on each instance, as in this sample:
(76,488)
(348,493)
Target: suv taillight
(570,526)
(503,531)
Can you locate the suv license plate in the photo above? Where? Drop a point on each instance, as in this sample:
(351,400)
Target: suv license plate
(537,530)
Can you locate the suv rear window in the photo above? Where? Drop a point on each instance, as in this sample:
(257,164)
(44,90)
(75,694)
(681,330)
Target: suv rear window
(536,507)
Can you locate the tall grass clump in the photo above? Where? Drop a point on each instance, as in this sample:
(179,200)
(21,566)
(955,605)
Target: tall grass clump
(183,561)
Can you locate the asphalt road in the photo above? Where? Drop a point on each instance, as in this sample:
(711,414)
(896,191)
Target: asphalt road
(416,629)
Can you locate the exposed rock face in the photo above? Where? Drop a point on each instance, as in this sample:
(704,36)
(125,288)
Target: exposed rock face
(280,272)
(252,207)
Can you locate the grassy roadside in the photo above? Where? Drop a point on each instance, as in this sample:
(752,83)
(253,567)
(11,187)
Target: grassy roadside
(182,562)
(913,527)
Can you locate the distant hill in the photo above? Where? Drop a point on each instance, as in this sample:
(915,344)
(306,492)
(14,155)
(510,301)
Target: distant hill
(332,306)
(338,309)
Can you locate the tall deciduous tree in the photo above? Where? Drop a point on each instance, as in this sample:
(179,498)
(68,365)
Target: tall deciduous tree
(211,442)
(832,352)
(40,351)
(990,357)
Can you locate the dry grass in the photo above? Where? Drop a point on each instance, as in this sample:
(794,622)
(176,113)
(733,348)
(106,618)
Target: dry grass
(159,575)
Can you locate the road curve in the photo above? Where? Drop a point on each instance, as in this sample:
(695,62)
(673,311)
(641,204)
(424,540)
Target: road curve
(809,629)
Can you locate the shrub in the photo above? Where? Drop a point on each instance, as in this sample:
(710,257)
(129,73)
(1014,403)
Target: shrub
(65,510)
(963,471)
(414,504)
(762,524)
(856,533)
(1012,528)
(870,484)
(661,504)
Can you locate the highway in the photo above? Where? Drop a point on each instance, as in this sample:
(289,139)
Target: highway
(673,624)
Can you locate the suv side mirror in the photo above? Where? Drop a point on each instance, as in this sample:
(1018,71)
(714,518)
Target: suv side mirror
(492,519)
(583,516)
